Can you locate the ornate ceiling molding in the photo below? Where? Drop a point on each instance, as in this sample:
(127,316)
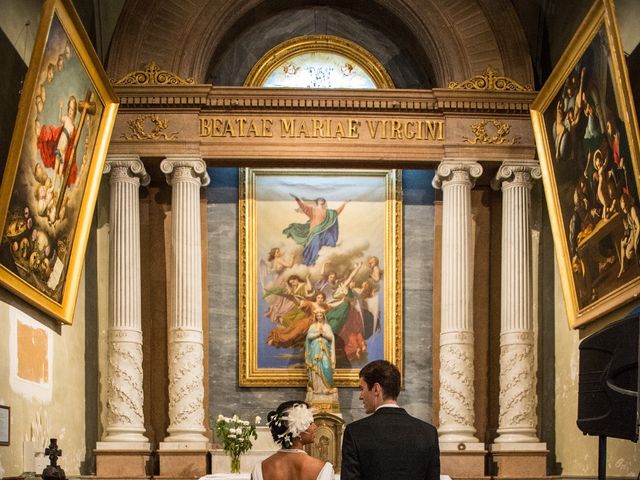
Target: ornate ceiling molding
(152,75)
(490,80)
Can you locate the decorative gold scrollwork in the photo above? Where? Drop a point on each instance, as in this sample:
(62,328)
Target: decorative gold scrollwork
(481,136)
(152,75)
(490,80)
(137,127)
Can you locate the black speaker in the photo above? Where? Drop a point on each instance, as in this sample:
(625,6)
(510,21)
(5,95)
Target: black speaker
(608,400)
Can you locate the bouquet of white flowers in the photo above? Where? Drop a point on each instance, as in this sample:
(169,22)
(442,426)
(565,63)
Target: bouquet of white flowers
(236,435)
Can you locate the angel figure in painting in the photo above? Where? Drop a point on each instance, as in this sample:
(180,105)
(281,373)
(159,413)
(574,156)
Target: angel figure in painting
(320,231)
(294,334)
(629,241)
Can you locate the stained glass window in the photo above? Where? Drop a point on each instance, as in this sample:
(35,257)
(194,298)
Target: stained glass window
(318,61)
(319,70)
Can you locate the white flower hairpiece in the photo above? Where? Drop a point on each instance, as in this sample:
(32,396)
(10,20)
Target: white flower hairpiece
(298,417)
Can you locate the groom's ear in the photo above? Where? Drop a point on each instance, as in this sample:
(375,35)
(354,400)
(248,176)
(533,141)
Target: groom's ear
(377,389)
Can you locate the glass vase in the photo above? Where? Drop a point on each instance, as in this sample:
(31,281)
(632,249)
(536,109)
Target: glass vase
(235,463)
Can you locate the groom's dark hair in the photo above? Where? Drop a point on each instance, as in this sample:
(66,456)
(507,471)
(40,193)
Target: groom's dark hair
(384,373)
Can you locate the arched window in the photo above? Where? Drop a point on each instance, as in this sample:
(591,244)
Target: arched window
(318,61)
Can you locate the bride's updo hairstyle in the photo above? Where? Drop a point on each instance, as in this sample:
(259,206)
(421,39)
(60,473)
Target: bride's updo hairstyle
(288,421)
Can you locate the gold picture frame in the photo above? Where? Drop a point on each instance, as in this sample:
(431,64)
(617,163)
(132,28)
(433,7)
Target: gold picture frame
(356,262)
(586,134)
(50,185)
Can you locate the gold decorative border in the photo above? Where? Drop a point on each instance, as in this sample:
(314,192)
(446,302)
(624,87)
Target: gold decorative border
(318,43)
(71,241)
(137,127)
(481,136)
(601,15)
(490,80)
(152,75)
(249,374)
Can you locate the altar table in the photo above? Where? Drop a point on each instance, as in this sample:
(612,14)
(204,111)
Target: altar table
(247,476)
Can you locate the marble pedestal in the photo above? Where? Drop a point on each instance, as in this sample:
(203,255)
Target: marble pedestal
(463,460)
(520,460)
(324,402)
(183,460)
(123,459)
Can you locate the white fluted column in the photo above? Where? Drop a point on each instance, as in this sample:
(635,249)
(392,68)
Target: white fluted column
(185,336)
(518,420)
(457,416)
(124,419)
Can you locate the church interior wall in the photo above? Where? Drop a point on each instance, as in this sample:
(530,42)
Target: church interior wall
(73,410)
(44,380)
(577,454)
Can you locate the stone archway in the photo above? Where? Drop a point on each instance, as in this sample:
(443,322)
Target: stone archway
(459,39)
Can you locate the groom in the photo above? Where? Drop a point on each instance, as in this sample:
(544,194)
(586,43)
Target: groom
(390,444)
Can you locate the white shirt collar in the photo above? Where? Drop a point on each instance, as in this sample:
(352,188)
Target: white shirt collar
(388,405)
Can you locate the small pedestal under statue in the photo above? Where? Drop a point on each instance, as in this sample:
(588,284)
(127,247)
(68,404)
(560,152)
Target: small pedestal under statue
(320,361)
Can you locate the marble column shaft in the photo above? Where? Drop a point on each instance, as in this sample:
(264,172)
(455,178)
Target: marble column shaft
(517,421)
(185,335)
(457,393)
(124,420)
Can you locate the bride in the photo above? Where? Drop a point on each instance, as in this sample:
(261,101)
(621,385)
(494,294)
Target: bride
(292,428)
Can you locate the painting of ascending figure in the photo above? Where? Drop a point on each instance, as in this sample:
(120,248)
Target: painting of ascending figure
(55,163)
(318,241)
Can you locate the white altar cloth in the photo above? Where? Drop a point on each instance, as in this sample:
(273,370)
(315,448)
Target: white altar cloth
(247,476)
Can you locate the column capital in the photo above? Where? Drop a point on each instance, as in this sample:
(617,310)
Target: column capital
(460,171)
(184,167)
(127,166)
(517,174)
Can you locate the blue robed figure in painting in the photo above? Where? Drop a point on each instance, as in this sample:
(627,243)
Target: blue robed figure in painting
(320,354)
(321,230)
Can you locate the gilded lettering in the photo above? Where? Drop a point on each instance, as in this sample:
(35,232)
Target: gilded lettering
(440,130)
(316,128)
(252,130)
(228,129)
(373,128)
(395,129)
(287,127)
(205,127)
(431,130)
(353,128)
(266,127)
(241,123)
(217,127)
(303,130)
(409,133)
(339,130)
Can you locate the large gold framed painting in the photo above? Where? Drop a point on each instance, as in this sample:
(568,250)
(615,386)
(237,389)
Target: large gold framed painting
(586,135)
(318,240)
(53,172)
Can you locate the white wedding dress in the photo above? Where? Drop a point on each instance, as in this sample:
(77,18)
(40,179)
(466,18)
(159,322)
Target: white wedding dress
(326,473)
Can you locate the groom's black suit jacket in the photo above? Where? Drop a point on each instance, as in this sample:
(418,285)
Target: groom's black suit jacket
(390,444)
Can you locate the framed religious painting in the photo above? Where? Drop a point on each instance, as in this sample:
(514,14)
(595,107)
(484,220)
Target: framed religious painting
(587,139)
(315,241)
(51,179)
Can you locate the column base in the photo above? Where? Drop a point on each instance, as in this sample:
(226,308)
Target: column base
(520,460)
(123,459)
(182,459)
(463,460)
